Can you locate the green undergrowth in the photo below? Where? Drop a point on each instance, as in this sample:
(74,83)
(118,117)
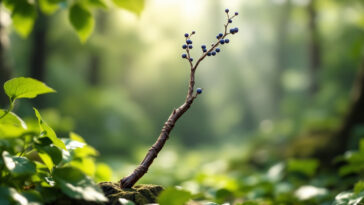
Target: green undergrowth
(38,167)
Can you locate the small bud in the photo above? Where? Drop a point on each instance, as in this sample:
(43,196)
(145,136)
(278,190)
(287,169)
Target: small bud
(193,32)
(199,90)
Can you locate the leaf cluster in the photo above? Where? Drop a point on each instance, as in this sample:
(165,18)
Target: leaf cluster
(80,13)
(36,166)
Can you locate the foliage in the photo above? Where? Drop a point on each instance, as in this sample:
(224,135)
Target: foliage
(35,165)
(24,13)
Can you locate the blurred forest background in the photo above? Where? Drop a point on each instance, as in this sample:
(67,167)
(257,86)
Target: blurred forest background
(290,85)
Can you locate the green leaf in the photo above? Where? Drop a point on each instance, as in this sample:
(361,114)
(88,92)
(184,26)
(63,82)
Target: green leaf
(76,184)
(103,172)
(18,165)
(23,17)
(135,6)
(48,131)
(33,197)
(304,166)
(348,198)
(174,196)
(25,88)
(48,6)
(11,125)
(49,154)
(359,187)
(82,21)
(9,196)
(97,3)
(123,201)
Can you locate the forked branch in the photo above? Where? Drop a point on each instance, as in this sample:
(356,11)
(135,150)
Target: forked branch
(129,181)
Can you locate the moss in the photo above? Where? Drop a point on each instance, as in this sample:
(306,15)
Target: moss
(139,194)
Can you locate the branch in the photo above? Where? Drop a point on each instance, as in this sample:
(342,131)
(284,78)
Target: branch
(129,181)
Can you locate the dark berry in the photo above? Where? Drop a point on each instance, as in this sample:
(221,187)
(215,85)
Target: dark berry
(220,35)
(199,90)
(203,47)
(191,59)
(226,10)
(230,21)
(222,41)
(204,50)
(217,50)
(186,35)
(232,30)
(209,54)
(217,37)
(184,55)
(213,53)
(184,46)
(227,40)
(193,32)
(236,13)
(190,47)
(236,30)
(189,41)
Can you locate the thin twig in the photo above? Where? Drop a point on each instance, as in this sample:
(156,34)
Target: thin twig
(129,181)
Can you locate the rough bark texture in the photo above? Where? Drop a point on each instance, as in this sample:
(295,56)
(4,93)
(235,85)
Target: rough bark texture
(313,47)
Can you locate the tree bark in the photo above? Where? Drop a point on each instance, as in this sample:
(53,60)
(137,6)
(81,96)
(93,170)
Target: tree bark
(129,181)
(313,47)
(354,117)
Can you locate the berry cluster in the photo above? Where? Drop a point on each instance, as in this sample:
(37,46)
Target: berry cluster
(214,49)
(221,40)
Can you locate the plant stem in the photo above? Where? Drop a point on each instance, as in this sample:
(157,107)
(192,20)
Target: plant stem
(129,181)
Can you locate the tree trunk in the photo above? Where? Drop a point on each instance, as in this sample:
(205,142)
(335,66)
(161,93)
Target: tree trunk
(38,54)
(313,48)
(5,71)
(282,33)
(94,77)
(339,141)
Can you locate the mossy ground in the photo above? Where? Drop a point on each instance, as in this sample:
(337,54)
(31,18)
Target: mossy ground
(139,194)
